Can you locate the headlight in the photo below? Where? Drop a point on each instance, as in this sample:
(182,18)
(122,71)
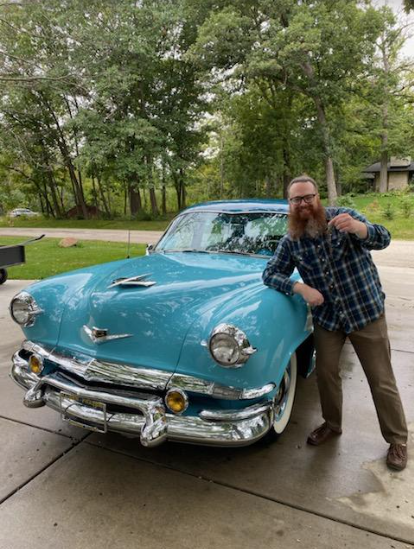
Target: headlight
(24,309)
(229,346)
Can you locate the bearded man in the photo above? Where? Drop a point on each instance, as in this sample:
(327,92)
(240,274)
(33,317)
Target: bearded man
(330,247)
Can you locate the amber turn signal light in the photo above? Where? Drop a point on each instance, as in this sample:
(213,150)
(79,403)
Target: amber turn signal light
(35,364)
(176,401)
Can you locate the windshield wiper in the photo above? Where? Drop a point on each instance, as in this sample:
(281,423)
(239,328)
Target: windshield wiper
(233,252)
(186,251)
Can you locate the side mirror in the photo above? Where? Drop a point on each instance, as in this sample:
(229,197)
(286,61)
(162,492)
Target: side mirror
(149,249)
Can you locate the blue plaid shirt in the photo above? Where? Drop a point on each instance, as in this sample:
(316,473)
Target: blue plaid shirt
(340,266)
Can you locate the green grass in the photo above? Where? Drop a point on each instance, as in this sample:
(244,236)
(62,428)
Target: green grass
(122,224)
(373,206)
(46,258)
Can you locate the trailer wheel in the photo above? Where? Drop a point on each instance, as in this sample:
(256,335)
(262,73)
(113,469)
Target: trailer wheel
(3,276)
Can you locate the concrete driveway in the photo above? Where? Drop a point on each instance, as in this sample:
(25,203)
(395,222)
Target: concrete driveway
(63,487)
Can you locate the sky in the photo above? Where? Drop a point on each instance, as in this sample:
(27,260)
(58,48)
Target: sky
(397,7)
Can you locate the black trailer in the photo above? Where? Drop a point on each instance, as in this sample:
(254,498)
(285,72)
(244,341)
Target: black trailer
(13,255)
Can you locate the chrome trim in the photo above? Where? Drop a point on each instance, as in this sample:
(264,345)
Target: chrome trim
(259,392)
(33,309)
(216,390)
(106,372)
(236,415)
(151,407)
(144,378)
(183,394)
(148,418)
(245,349)
(133,281)
(92,334)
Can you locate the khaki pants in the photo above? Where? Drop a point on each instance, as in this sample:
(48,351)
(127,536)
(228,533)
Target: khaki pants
(372,346)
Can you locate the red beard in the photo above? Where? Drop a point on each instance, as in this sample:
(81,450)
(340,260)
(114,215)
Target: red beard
(307,220)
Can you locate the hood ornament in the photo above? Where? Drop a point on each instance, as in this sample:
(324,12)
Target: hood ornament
(133,281)
(100,335)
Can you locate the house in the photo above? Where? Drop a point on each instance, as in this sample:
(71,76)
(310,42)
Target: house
(400,173)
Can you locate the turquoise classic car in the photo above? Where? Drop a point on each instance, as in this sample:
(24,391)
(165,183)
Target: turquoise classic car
(184,344)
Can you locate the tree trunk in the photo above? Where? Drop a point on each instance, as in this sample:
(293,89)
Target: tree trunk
(64,150)
(182,187)
(383,177)
(163,192)
(104,201)
(177,190)
(329,168)
(135,203)
(164,200)
(221,165)
(153,202)
(287,173)
(268,185)
(326,137)
(54,193)
(153,199)
(95,194)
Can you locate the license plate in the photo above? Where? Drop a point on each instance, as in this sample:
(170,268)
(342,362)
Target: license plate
(94,405)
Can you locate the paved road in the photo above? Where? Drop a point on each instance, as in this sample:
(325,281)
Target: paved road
(137,237)
(62,487)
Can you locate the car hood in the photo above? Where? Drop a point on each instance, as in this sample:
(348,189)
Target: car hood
(154,319)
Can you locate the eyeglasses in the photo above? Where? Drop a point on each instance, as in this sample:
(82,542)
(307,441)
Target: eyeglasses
(308,199)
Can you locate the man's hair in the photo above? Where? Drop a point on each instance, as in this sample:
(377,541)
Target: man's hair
(302,179)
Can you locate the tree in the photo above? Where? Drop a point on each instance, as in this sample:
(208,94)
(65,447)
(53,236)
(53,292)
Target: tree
(316,49)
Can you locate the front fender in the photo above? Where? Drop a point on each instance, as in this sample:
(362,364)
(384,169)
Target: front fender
(274,323)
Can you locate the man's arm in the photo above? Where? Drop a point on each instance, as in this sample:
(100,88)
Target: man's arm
(277,275)
(279,269)
(372,236)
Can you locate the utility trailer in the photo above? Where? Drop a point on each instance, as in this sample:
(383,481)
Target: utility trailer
(13,255)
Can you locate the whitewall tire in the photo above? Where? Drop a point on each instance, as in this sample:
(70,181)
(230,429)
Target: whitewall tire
(284,399)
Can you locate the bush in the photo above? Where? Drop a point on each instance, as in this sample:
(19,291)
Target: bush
(374,206)
(346,201)
(388,212)
(406,206)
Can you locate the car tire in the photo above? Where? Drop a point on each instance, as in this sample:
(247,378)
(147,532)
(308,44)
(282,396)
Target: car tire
(3,276)
(284,400)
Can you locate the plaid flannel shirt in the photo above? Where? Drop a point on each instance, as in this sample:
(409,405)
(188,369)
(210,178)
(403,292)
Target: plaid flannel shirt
(340,266)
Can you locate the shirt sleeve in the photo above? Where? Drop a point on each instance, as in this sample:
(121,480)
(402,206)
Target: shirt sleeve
(378,236)
(279,269)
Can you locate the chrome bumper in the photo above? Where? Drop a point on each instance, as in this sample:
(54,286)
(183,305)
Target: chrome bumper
(148,417)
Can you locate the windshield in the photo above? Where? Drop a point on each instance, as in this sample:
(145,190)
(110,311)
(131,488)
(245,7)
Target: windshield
(245,233)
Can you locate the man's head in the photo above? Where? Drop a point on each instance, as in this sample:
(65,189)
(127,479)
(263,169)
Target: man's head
(307,215)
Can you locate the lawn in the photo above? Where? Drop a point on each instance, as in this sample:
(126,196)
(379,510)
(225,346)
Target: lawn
(46,258)
(373,207)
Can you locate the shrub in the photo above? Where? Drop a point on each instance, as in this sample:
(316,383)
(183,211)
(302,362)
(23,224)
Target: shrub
(374,206)
(388,212)
(406,206)
(346,201)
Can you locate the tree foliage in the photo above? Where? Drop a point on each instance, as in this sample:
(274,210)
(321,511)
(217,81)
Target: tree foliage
(111,106)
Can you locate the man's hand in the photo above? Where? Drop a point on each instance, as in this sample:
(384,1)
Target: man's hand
(348,224)
(310,295)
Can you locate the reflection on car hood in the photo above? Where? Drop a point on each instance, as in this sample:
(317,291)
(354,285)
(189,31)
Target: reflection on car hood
(156,318)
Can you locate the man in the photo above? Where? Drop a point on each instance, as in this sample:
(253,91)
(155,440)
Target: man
(331,249)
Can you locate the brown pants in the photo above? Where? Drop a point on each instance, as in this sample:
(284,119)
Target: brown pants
(372,346)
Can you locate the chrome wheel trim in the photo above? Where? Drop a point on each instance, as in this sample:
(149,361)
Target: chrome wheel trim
(283,401)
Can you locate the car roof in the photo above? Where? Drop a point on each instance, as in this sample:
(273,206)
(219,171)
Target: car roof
(241,206)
